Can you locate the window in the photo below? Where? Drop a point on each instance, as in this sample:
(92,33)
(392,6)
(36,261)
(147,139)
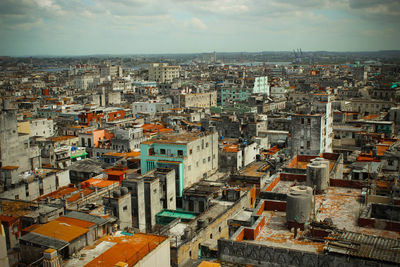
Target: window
(209,159)
(308,121)
(207,144)
(204,161)
(162,151)
(302,120)
(190,151)
(180,152)
(198,148)
(308,144)
(125,208)
(197,164)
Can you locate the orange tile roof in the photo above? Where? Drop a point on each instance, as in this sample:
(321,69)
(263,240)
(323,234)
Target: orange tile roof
(30,228)
(63,191)
(231,148)
(9,219)
(62,138)
(381,149)
(75,222)
(272,151)
(129,249)
(370,117)
(60,230)
(367,157)
(77,196)
(115,173)
(78,126)
(123,154)
(9,167)
(100,183)
(209,264)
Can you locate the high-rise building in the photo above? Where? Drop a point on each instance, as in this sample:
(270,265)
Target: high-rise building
(14,149)
(312,132)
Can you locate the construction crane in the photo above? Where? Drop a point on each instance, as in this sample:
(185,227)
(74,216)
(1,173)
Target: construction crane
(298,55)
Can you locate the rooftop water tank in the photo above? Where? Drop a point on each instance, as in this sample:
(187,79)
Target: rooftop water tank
(299,204)
(318,174)
(116,194)
(124,191)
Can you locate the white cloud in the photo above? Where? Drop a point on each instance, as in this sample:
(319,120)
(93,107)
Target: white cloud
(196,23)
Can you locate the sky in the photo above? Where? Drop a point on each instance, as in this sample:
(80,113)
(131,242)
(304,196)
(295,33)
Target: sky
(88,27)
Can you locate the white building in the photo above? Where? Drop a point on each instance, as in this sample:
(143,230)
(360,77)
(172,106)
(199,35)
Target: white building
(278,92)
(37,127)
(162,72)
(261,85)
(150,107)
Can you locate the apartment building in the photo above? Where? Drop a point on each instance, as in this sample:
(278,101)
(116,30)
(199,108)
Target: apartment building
(37,127)
(192,155)
(312,132)
(162,72)
(199,100)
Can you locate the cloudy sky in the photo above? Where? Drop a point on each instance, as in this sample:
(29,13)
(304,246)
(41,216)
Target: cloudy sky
(80,27)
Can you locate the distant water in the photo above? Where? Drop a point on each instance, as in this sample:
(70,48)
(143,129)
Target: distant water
(255,64)
(53,69)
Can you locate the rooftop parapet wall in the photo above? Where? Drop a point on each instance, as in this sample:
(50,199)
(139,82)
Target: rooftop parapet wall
(243,253)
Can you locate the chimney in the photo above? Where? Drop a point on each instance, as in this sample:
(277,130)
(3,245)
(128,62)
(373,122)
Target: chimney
(50,258)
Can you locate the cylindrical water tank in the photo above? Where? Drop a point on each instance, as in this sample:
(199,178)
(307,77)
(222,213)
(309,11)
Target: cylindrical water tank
(318,174)
(299,204)
(117,194)
(124,191)
(323,161)
(187,233)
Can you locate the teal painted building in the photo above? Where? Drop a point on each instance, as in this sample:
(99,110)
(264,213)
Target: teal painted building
(192,155)
(160,155)
(232,93)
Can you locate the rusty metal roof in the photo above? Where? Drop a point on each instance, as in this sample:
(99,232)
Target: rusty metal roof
(364,246)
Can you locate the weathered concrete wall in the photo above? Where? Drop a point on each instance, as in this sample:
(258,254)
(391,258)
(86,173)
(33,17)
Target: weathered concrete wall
(49,184)
(77,244)
(14,149)
(216,229)
(3,248)
(63,178)
(260,255)
(30,253)
(160,256)
(249,153)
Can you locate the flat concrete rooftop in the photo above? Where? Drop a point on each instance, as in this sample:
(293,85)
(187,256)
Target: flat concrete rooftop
(341,205)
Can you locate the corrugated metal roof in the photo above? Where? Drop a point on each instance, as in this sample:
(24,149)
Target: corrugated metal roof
(60,230)
(364,246)
(76,222)
(86,217)
(42,240)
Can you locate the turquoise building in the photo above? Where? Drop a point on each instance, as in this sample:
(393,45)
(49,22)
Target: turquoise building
(164,155)
(232,93)
(192,155)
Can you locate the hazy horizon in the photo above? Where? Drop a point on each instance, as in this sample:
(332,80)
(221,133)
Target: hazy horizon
(146,27)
